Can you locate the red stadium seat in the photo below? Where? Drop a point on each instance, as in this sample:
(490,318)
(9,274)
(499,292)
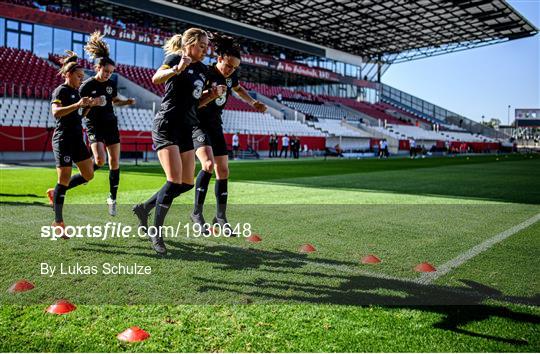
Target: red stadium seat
(25,74)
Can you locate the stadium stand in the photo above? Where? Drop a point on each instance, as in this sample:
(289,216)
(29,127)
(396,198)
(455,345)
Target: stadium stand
(402,132)
(264,123)
(32,79)
(406,115)
(337,128)
(391,104)
(36,113)
(372,110)
(23,74)
(466,137)
(274,91)
(406,131)
(325,111)
(25,112)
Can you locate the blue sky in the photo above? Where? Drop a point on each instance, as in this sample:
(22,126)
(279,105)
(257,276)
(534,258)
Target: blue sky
(481,81)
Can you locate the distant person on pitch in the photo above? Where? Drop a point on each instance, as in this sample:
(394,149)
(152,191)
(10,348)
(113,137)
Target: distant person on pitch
(284,145)
(235,145)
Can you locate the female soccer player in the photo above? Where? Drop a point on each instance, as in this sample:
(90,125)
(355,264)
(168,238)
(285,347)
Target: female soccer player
(176,124)
(68,144)
(215,157)
(101,123)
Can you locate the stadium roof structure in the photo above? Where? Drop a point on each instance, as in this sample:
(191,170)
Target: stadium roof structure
(390,31)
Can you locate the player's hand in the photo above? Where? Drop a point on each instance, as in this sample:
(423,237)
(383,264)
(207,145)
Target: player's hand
(184,62)
(131,101)
(259,106)
(218,90)
(85,102)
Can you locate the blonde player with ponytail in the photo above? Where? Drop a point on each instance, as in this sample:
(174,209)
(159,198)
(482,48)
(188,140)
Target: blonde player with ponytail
(176,131)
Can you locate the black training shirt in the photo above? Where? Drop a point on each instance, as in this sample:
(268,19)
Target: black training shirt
(93,88)
(182,92)
(66,96)
(211,113)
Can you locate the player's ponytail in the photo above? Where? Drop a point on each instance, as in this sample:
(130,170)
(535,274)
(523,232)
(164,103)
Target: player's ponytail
(69,63)
(98,50)
(179,43)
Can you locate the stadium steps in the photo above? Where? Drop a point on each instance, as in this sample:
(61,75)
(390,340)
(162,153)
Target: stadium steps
(380,133)
(311,124)
(366,118)
(355,128)
(278,110)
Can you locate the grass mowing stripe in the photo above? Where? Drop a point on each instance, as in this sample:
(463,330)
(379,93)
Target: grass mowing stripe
(476,250)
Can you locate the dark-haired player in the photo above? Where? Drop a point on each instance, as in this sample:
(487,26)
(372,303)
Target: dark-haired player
(67,142)
(101,122)
(215,157)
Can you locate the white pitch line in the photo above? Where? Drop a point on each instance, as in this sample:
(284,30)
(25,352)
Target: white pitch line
(476,250)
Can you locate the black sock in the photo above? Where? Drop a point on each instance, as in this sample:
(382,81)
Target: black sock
(76,180)
(221,197)
(164,200)
(58,201)
(114,180)
(201,187)
(151,202)
(186,187)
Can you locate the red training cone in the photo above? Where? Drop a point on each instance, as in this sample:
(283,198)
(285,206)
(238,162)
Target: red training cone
(425,268)
(370,259)
(133,334)
(21,286)
(254,239)
(307,248)
(61,307)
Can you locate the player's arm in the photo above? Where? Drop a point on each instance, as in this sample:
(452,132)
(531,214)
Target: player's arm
(166,71)
(211,94)
(206,98)
(59,111)
(117,101)
(84,91)
(244,95)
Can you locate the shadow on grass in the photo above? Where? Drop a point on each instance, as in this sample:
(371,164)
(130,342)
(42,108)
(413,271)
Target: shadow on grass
(19,195)
(32,203)
(280,276)
(459,306)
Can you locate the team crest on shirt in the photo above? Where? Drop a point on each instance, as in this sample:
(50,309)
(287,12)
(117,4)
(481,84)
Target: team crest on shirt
(72,96)
(190,71)
(109,90)
(228,81)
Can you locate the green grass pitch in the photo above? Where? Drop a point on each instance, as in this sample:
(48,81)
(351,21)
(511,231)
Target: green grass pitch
(226,294)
